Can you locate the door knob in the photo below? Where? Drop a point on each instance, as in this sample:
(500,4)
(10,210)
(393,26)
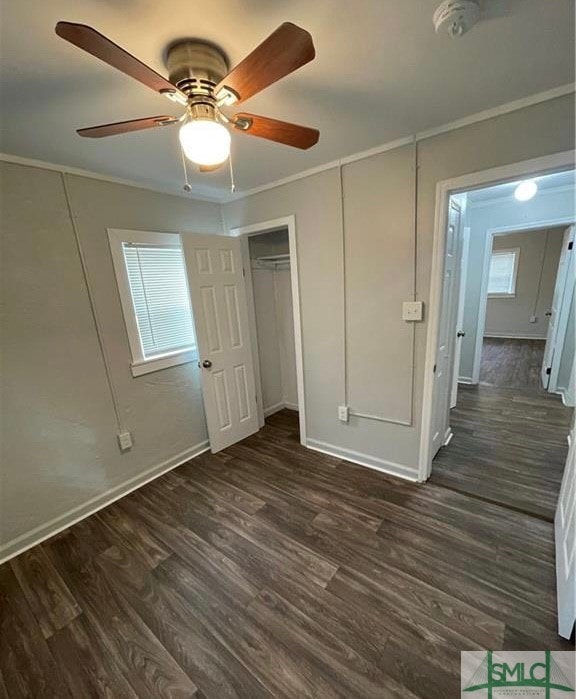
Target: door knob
(460,333)
(206,364)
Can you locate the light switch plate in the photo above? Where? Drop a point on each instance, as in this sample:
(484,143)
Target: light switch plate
(412,310)
(343,413)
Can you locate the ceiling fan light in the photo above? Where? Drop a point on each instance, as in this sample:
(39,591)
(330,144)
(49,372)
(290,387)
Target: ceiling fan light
(205,142)
(525,190)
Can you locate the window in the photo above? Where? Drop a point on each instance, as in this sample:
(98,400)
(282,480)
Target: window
(151,275)
(503,270)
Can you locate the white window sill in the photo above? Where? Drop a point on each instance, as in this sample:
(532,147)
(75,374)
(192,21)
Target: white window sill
(501,296)
(147,366)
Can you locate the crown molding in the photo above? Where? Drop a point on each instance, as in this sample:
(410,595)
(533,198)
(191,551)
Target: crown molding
(225,198)
(515,105)
(43,165)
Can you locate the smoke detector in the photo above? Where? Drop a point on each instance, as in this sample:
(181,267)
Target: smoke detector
(456,16)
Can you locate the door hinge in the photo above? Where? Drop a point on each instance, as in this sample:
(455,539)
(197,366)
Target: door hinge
(434,369)
(549,371)
(243,272)
(570,245)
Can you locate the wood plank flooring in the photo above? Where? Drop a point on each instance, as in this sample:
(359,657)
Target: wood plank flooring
(510,435)
(512,363)
(272,571)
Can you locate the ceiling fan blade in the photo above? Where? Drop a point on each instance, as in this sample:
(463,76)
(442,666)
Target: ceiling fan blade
(279,131)
(120,127)
(283,52)
(98,45)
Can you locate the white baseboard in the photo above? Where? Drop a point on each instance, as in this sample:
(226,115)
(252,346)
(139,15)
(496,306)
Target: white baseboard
(389,467)
(273,409)
(465,379)
(279,406)
(564,396)
(45,531)
(513,336)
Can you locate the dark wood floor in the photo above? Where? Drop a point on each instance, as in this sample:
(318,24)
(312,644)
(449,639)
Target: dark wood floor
(512,363)
(510,435)
(273,571)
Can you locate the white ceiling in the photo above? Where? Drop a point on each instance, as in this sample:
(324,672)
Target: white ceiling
(380,73)
(557,180)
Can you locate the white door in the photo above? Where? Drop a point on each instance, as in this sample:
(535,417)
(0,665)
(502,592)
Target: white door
(218,295)
(565,269)
(447,331)
(460,334)
(565,536)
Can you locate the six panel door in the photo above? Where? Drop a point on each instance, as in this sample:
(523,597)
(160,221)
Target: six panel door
(218,296)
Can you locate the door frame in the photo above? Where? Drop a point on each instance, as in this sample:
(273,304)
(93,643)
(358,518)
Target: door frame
(460,319)
(444,189)
(245,232)
(491,233)
(561,326)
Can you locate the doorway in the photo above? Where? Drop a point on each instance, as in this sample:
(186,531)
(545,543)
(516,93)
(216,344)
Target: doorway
(270,260)
(270,269)
(498,426)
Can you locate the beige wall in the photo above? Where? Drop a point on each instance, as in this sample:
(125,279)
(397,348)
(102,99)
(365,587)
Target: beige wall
(380,239)
(59,446)
(537,267)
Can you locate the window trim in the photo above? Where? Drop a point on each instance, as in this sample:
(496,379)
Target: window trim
(504,251)
(140,364)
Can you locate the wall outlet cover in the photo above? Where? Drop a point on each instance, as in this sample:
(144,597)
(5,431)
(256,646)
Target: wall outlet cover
(125,440)
(343,413)
(533,319)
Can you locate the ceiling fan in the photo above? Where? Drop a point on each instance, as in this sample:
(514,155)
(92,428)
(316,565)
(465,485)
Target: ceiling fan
(200,80)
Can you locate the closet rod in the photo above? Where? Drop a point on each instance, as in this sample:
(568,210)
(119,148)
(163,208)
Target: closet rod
(272,258)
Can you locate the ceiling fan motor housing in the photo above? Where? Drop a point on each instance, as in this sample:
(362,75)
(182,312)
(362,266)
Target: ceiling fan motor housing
(196,67)
(456,16)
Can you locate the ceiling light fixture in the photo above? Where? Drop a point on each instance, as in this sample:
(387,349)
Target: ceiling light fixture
(200,79)
(526,190)
(205,142)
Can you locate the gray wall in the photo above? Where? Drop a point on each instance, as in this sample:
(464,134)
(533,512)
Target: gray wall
(59,446)
(545,207)
(537,268)
(337,273)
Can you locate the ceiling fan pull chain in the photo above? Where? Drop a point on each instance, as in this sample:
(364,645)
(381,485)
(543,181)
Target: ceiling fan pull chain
(232,183)
(187,186)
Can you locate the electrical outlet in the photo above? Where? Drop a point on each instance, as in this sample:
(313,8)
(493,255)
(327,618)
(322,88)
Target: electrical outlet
(343,413)
(125,440)
(533,319)
(412,310)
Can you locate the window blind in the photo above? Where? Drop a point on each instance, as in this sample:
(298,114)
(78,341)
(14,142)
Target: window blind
(501,279)
(157,278)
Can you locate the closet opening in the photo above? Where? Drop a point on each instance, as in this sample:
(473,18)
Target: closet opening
(270,271)
(270,261)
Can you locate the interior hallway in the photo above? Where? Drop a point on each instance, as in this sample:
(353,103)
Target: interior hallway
(510,435)
(269,570)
